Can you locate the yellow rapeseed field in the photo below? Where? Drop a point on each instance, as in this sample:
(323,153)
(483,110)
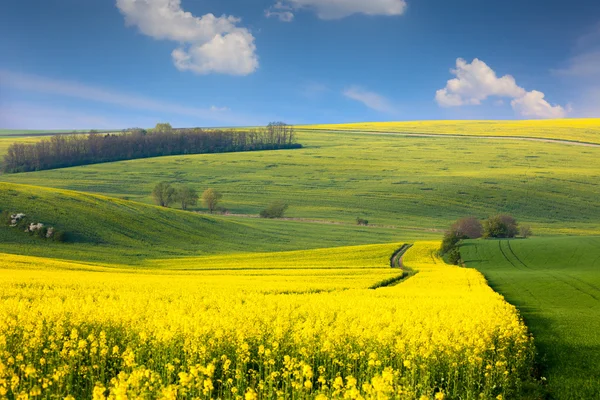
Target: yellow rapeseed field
(73,331)
(577,130)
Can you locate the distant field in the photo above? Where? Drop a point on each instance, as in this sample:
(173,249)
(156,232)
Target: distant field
(576,130)
(555,283)
(405,182)
(27,132)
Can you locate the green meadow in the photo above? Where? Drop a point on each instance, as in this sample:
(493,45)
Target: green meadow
(396,181)
(555,283)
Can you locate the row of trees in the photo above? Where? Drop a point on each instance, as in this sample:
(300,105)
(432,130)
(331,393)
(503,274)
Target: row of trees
(71,150)
(498,226)
(165,194)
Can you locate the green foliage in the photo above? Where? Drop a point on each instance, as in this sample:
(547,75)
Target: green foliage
(453,256)
(274,210)
(163,127)
(163,194)
(211,199)
(555,284)
(500,226)
(449,242)
(186,196)
(362,221)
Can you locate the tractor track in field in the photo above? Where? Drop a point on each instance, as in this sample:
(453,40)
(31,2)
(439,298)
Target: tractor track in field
(454,135)
(564,278)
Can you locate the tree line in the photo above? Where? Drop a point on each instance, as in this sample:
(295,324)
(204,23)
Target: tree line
(73,150)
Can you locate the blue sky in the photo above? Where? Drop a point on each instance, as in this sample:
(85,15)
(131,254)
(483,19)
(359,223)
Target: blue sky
(70,64)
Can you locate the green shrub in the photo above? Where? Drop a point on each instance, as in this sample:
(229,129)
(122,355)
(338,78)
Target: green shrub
(500,226)
(274,210)
(453,256)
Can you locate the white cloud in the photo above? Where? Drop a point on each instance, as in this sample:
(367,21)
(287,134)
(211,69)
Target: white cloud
(372,100)
(533,105)
(40,84)
(208,44)
(476,82)
(336,9)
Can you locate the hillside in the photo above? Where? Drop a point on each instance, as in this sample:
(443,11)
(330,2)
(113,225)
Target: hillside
(114,230)
(408,182)
(555,283)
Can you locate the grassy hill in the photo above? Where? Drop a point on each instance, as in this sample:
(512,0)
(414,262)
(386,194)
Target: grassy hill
(388,180)
(119,231)
(555,283)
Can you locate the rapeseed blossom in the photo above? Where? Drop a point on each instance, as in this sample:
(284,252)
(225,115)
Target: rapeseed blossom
(441,334)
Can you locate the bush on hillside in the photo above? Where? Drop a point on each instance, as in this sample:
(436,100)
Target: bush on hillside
(469,227)
(274,210)
(453,257)
(500,226)
(451,239)
(361,221)
(525,231)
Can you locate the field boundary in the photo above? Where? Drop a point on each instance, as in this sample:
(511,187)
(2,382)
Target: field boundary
(457,135)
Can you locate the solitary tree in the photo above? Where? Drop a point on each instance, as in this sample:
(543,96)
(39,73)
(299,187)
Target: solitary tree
(164,194)
(501,226)
(186,196)
(210,199)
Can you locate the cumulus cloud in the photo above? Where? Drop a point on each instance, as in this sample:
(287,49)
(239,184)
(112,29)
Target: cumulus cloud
(336,9)
(533,105)
(476,82)
(372,100)
(208,44)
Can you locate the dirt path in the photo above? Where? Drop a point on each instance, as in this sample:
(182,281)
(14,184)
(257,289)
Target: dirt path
(437,135)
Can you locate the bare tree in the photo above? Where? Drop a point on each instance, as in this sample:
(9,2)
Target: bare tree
(210,199)
(470,227)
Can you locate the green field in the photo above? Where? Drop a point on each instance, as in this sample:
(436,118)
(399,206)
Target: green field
(116,231)
(389,180)
(555,283)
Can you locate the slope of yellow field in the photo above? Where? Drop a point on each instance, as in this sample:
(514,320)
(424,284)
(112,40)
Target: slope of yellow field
(443,333)
(576,130)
